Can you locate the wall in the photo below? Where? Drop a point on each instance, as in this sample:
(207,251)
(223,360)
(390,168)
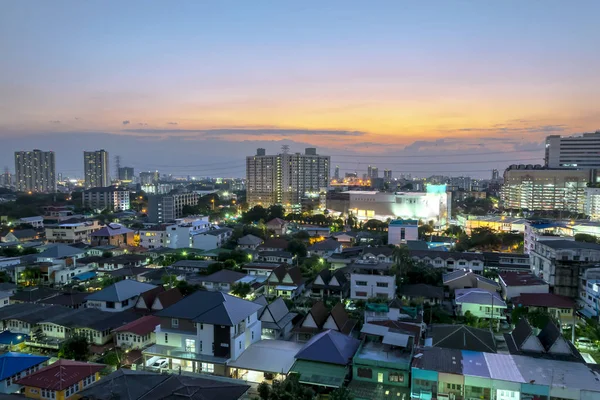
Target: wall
(204,242)
(371,289)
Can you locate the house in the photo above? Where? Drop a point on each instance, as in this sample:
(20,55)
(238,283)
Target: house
(260,268)
(381,365)
(325,248)
(319,318)
(211,239)
(278,226)
(37,222)
(59,251)
(401,231)
(325,360)
(122,261)
(135,273)
(137,334)
(378,254)
(71,230)
(371,278)
(119,296)
(481,303)
(514,284)
(276,318)
(32,295)
(561,308)
(330,283)
(507,261)
(74,300)
(222,280)
(275,256)
(274,244)
(5,298)
(204,331)
(21,235)
(461,337)
(450,260)
(157,299)
(112,234)
(14,366)
(465,279)
(589,297)
(395,310)
(62,380)
(286,282)
(132,384)
(316,230)
(420,292)
(249,242)
(347,239)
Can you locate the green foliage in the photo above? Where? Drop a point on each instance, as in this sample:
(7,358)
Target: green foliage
(301,235)
(297,248)
(289,389)
(275,211)
(454,230)
(437,315)
(584,237)
(475,206)
(255,214)
(537,318)
(114,358)
(107,254)
(75,348)
(17,252)
(241,289)
(229,264)
(169,280)
(425,230)
(214,267)
(238,256)
(186,289)
(340,394)
(375,225)
(589,329)
(311,266)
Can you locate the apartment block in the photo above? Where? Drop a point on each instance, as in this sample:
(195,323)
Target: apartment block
(166,208)
(96,169)
(580,151)
(35,171)
(106,198)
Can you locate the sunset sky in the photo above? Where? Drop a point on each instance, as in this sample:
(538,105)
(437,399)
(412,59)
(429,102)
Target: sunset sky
(191,87)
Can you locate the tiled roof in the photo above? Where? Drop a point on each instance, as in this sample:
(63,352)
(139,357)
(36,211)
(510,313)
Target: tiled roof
(511,278)
(344,323)
(249,240)
(224,276)
(60,375)
(121,290)
(140,326)
(150,295)
(111,230)
(169,297)
(274,243)
(331,347)
(544,300)
(462,337)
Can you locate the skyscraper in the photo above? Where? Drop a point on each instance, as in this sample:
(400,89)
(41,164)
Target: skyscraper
(336,174)
(35,171)
(286,178)
(126,174)
(576,152)
(495,175)
(95,167)
(387,175)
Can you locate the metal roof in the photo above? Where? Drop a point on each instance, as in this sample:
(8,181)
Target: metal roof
(122,290)
(276,356)
(12,363)
(330,347)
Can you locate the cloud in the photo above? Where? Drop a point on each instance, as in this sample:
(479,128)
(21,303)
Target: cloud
(55,122)
(172,123)
(126,122)
(142,124)
(508,128)
(251,132)
(77,118)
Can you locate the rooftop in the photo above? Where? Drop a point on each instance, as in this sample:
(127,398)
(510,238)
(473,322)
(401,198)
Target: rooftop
(60,375)
(141,326)
(462,337)
(569,244)
(12,363)
(329,347)
(479,296)
(122,290)
(111,230)
(544,300)
(512,278)
(224,276)
(379,352)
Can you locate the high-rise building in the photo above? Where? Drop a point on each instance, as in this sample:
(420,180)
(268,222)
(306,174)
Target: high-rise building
(387,175)
(95,167)
(285,178)
(336,174)
(6,178)
(165,208)
(35,171)
(106,198)
(148,178)
(372,172)
(582,151)
(534,188)
(126,174)
(495,175)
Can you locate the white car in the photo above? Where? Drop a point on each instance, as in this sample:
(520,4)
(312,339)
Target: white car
(161,363)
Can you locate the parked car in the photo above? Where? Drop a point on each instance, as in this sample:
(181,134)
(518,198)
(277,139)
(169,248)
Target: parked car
(585,343)
(160,364)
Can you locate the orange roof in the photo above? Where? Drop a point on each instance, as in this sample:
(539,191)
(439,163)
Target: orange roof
(141,326)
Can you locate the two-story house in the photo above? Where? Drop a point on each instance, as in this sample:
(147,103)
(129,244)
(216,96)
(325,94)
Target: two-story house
(480,303)
(119,296)
(562,308)
(211,239)
(137,334)
(249,242)
(286,282)
(330,283)
(325,248)
(204,331)
(450,260)
(371,279)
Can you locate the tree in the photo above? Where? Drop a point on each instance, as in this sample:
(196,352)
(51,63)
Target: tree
(75,348)
(289,389)
(297,248)
(169,280)
(107,254)
(585,237)
(186,289)
(32,274)
(275,211)
(229,264)
(241,289)
(255,214)
(340,394)
(454,230)
(374,225)
(425,230)
(115,358)
(301,235)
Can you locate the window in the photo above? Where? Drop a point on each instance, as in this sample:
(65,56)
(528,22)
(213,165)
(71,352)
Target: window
(206,367)
(240,344)
(201,326)
(382,284)
(200,346)
(462,263)
(365,373)
(190,345)
(174,323)
(361,283)
(361,294)
(395,377)
(110,304)
(124,303)
(252,335)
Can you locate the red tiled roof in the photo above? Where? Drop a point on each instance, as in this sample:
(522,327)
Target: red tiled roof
(60,375)
(141,326)
(544,300)
(511,278)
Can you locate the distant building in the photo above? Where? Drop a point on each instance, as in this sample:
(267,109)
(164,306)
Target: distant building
(148,178)
(126,174)
(109,198)
(336,174)
(71,231)
(400,231)
(387,175)
(165,208)
(573,151)
(112,235)
(35,171)
(95,167)
(592,203)
(286,178)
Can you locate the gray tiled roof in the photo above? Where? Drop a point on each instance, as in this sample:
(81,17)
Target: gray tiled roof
(59,250)
(330,347)
(462,337)
(120,291)
(570,244)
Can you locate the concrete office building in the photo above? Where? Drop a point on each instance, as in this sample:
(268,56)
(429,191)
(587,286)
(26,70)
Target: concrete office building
(533,187)
(580,151)
(126,174)
(592,203)
(95,168)
(165,208)
(35,171)
(106,198)
(286,178)
(387,175)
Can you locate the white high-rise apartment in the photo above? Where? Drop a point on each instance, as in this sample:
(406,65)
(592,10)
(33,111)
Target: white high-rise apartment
(579,152)
(285,178)
(35,171)
(95,167)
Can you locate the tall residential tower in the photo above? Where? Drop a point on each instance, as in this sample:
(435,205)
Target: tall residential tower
(95,167)
(35,171)
(574,152)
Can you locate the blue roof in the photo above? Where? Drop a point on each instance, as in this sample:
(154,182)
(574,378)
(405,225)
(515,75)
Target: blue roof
(7,337)
(404,222)
(330,347)
(12,363)
(85,276)
(474,364)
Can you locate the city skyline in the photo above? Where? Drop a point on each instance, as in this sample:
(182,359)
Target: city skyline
(351,79)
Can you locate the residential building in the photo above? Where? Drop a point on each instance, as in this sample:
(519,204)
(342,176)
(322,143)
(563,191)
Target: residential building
(119,296)
(319,319)
(278,226)
(137,334)
(58,251)
(450,260)
(149,177)
(461,337)
(589,296)
(401,231)
(506,261)
(276,318)
(205,331)
(383,254)
(275,257)
(395,310)
(211,239)
(126,174)
(542,231)
(5,299)
(535,188)
(249,242)
(371,279)
(274,244)
(559,307)
(434,204)
(421,293)
(325,360)
(20,235)
(16,366)
(95,169)
(222,280)
(135,384)
(285,281)
(514,284)
(561,263)
(166,208)
(62,380)
(36,222)
(260,268)
(316,231)
(112,235)
(480,303)
(35,171)
(109,198)
(465,279)
(123,261)
(157,299)
(330,284)
(286,178)
(592,203)
(325,248)
(176,235)
(573,152)
(71,231)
